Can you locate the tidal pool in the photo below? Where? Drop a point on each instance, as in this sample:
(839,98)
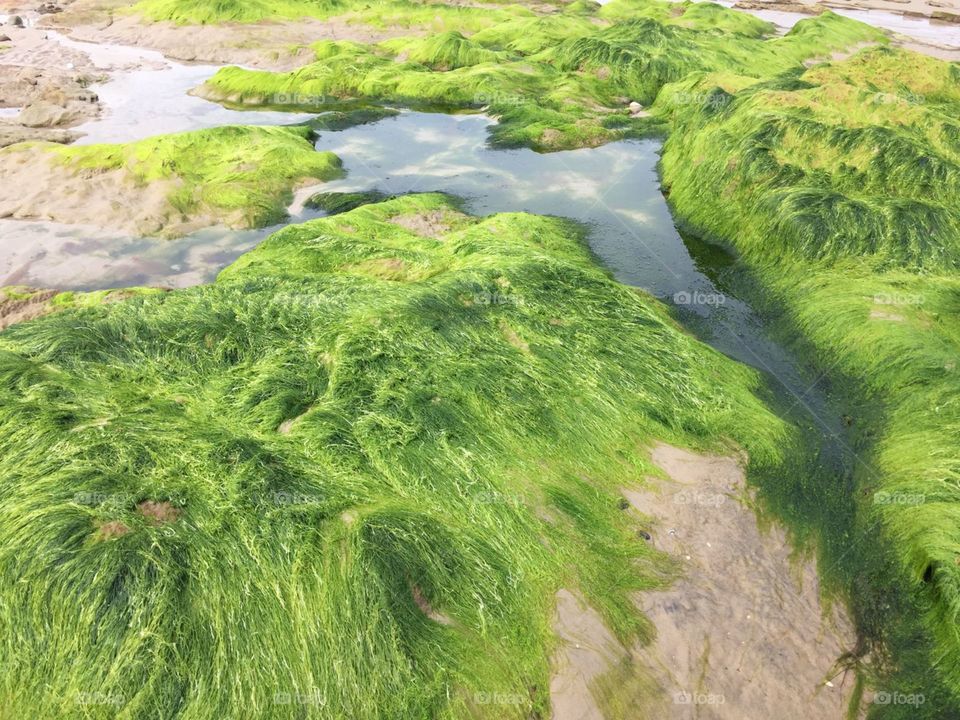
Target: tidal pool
(613,190)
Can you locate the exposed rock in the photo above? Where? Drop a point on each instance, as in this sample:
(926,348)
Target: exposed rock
(12,133)
(944,16)
(44,114)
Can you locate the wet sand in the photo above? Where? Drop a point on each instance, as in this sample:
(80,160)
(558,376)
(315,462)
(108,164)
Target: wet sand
(742,634)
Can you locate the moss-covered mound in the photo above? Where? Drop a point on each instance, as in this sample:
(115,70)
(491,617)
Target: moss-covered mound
(346,479)
(169,184)
(839,189)
(202,12)
(435,15)
(553,82)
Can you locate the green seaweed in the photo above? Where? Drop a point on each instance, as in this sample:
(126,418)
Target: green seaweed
(334,203)
(243,176)
(347,478)
(553,82)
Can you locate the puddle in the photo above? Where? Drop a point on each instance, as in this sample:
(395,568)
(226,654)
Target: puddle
(76,257)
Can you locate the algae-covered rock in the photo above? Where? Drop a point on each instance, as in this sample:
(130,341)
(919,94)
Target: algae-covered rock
(166,185)
(353,472)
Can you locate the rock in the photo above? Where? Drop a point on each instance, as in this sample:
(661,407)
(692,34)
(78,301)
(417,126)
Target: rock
(12,134)
(49,9)
(16,21)
(4,38)
(944,16)
(43,114)
(635,107)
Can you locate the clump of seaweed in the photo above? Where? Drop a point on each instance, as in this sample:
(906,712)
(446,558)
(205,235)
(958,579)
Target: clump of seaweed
(240,176)
(367,456)
(553,82)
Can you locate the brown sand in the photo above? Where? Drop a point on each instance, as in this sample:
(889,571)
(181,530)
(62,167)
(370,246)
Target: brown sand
(742,635)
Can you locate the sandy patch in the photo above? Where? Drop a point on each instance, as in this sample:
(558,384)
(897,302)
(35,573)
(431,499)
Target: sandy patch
(110,530)
(35,185)
(159,513)
(742,634)
(433,224)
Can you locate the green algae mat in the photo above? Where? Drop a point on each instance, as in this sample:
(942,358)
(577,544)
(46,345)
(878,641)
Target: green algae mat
(345,443)
(827,161)
(342,444)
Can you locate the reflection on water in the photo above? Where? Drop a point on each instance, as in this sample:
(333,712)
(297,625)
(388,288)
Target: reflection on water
(614,188)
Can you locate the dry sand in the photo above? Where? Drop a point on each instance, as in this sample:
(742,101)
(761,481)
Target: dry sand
(742,635)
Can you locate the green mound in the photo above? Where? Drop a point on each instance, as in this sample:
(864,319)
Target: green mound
(346,479)
(203,12)
(444,51)
(838,189)
(553,82)
(435,16)
(243,176)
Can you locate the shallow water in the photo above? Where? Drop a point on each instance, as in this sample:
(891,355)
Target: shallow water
(928,31)
(151,98)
